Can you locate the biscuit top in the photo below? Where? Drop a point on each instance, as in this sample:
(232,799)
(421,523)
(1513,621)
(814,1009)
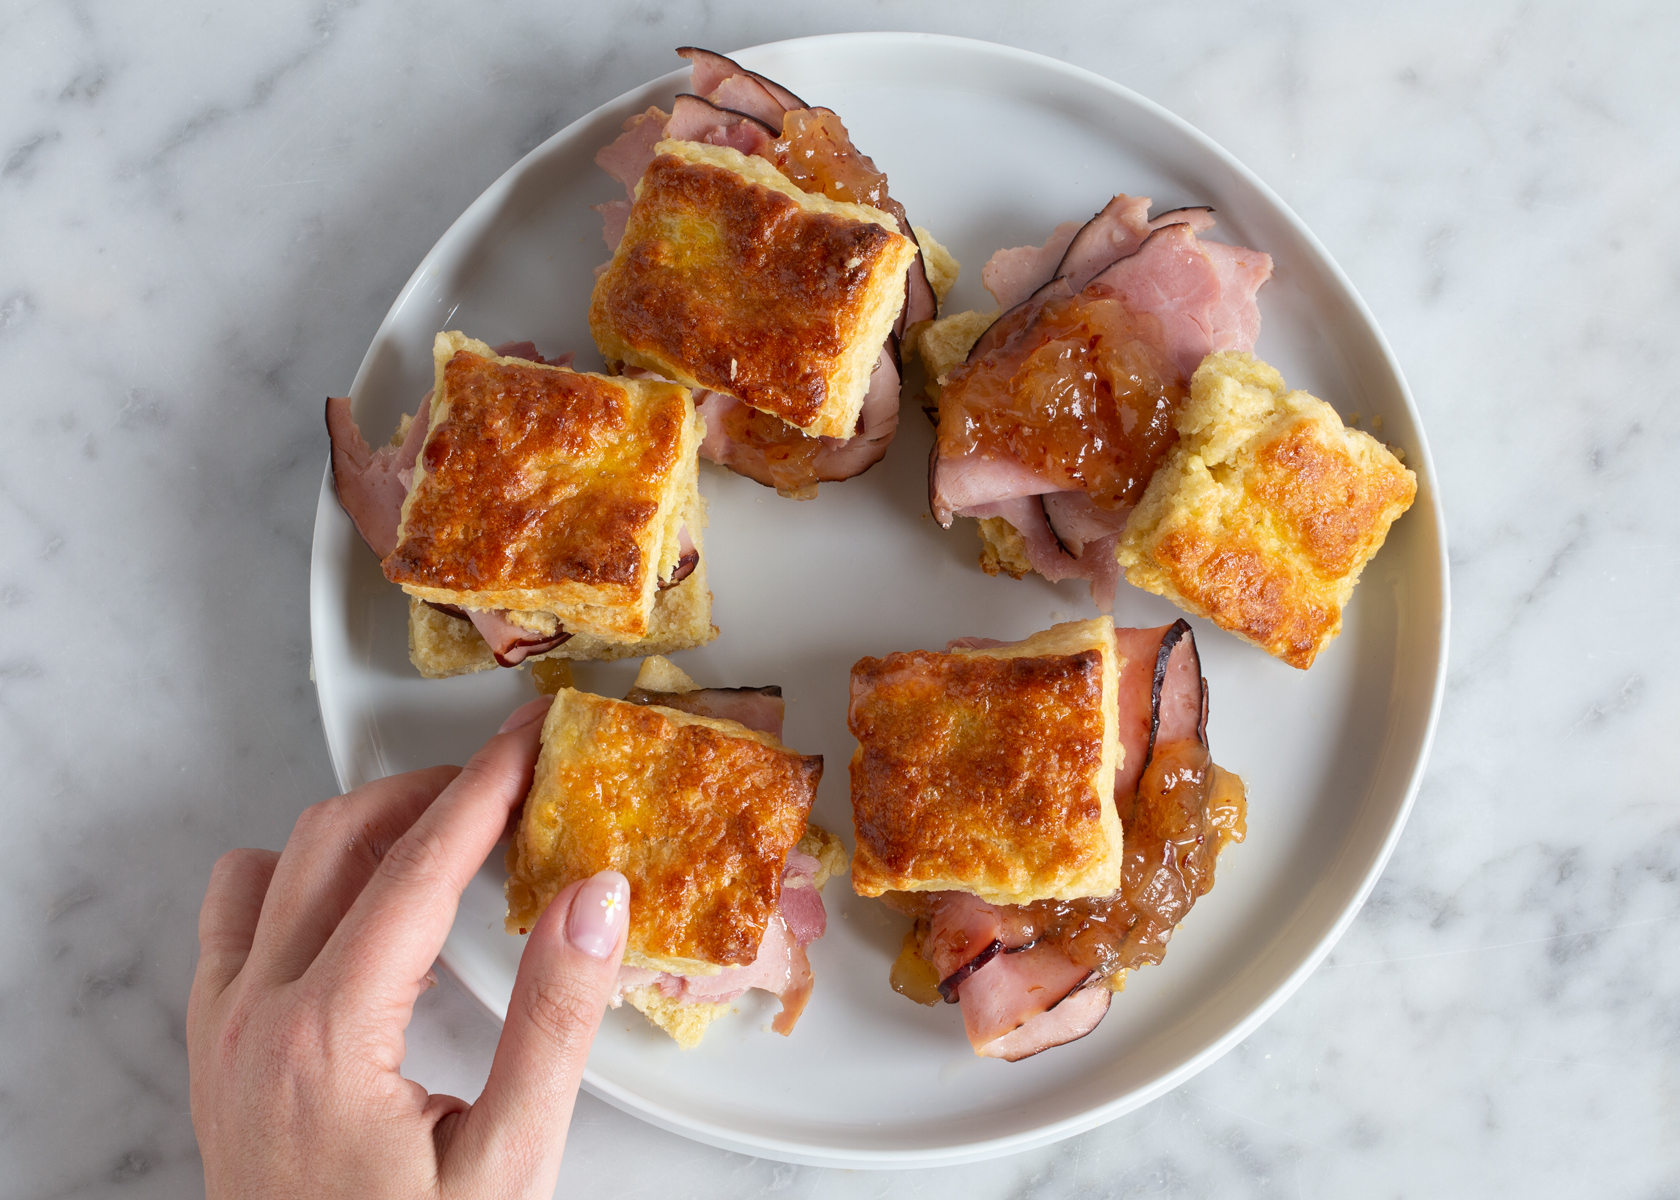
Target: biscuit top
(989,771)
(1266,512)
(535,478)
(730,278)
(699,814)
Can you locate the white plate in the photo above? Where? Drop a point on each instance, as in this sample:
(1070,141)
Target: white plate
(987,146)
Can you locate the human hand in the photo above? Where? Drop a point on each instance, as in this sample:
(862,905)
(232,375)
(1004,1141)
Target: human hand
(309,965)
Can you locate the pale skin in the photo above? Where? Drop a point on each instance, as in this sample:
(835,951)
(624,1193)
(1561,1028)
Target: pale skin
(309,966)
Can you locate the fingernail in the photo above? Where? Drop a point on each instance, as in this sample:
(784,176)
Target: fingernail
(536,710)
(600,911)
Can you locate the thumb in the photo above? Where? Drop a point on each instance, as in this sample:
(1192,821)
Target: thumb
(511,1140)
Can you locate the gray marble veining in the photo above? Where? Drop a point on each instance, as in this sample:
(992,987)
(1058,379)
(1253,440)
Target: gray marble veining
(205,212)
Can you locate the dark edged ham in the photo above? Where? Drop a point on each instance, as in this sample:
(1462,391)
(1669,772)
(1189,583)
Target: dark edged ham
(1069,1019)
(711,69)
(1163,696)
(1013,988)
(778,455)
(512,644)
(1116,231)
(1204,298)
(696,119)
(760,708)
(372,484)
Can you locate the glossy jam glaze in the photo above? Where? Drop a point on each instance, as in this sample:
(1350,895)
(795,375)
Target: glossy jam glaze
(1085,394)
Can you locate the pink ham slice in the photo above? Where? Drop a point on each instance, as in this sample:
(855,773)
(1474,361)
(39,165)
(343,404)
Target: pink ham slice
(781,965)
(1013,989)
(711,69)
(831,460)
(1203,298)
(1115,232)
(694,119)
(1068,1020)
(370,483)
(511,644)
(1013,275)
(756,708)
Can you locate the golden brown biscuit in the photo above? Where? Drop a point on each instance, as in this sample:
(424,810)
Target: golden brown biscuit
(546,490)
(699,814)
(440,645)
(730,278)
(989,771)
(1266,511)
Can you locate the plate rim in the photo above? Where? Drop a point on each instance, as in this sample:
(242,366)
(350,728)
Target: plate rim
(950,1154)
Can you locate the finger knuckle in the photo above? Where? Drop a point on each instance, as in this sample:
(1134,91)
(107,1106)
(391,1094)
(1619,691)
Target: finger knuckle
(560,1009)
(418,854)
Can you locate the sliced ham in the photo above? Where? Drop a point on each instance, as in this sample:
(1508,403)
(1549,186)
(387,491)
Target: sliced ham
(1077,522)
(512,644)
(711,69)
(1115,232)
(696,119)
(781,966)
(769,451)
(1163,696)
(627,156)
(370,483)
(1071,1018)
(1013,275)
(1203,298)
(756,708)
(1013,988)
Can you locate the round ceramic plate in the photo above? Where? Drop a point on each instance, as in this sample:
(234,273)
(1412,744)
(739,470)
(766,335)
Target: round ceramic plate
(987,147)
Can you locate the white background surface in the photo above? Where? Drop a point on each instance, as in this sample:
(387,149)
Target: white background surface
(203,216)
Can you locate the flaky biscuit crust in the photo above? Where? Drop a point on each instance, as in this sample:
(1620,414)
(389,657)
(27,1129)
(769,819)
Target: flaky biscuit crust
(699,814)
(1266,512)
(545,489)
(988,774)
(731,279)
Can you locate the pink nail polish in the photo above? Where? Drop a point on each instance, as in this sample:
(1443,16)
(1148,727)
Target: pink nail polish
(536,710)
(600,912)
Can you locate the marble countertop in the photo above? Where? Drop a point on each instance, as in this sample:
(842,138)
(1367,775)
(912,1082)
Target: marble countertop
(204,214)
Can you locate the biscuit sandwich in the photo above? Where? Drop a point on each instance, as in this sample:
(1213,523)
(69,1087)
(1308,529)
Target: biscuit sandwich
(759,259)
(1054,412)
(690,793)
(530,510)
(1044,811)
(1266,511)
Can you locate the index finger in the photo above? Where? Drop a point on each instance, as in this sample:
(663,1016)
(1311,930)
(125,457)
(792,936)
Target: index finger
(394,930)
